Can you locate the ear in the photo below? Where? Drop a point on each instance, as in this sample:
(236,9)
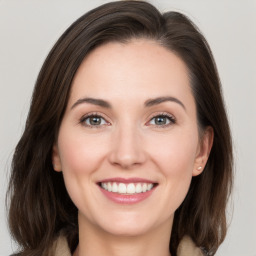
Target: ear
(203,151)
(56,159)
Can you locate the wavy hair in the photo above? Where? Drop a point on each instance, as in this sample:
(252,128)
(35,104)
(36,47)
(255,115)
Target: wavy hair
(39,205)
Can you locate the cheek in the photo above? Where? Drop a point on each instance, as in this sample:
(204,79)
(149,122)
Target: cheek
(175,153)
(79,154)
(80,157)
(174,156)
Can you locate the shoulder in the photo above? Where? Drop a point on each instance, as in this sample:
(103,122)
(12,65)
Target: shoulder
(61,247)
(187,247)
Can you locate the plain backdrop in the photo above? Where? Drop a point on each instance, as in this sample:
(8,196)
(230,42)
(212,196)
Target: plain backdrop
(28,30)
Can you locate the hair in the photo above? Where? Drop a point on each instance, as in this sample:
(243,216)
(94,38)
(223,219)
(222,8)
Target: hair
(39,205)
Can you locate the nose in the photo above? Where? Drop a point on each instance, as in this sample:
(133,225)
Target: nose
(127,149)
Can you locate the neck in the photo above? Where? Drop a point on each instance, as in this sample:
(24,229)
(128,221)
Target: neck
(94,241)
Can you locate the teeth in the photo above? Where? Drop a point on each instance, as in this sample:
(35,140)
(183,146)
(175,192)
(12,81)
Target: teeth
(150,186)
(138,188)
(105,186)
(114,187)
(130,188)
(109,187)
(144,187)
(121,188)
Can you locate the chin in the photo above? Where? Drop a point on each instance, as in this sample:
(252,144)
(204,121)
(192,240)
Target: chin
(129,224)
(127,230)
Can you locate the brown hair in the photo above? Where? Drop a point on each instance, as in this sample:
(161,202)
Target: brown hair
(40,207)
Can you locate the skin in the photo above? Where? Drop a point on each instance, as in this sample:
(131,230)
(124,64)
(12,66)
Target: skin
(128,142)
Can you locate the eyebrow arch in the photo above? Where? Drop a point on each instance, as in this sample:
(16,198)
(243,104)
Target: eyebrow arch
(98,102)
(153,102)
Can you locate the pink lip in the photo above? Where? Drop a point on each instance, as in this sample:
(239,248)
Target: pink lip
(126,180)
(125,198)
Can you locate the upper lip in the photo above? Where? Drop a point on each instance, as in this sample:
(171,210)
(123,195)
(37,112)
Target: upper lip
(127,180)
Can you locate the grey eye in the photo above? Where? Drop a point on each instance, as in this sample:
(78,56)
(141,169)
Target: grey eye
(94,121)
(161,120)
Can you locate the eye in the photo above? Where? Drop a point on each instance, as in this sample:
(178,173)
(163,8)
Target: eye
(162,120)
(93,120)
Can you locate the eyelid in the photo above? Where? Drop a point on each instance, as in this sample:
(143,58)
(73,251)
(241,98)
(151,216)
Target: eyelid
(165,114)
(91,114)
(97,114)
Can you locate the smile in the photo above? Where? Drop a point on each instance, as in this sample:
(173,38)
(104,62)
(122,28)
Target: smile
(127,188)
(127,191)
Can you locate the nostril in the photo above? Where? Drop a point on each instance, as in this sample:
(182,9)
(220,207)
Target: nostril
(127,152)
(126,161)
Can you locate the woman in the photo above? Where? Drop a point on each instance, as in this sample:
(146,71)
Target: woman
(127,147)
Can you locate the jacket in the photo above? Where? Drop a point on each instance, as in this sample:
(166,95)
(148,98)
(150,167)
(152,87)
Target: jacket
(186,248)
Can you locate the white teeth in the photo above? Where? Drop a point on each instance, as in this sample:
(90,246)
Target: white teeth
(130,188)
(114,187)
(138,188)
(144,187)
(149,186)
(109,187)
(105,186)
(121,188)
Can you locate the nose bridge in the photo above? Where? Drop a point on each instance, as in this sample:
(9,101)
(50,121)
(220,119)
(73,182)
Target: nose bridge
(127,148)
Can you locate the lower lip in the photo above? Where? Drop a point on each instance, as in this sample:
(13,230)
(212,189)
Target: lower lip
(125,198)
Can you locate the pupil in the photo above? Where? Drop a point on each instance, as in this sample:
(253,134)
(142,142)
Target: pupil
(161,120)
(94,120)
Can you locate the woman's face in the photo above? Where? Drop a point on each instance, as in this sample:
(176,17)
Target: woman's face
(128,144)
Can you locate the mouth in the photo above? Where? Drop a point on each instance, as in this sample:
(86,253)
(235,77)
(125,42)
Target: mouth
(127,191)
(127,188)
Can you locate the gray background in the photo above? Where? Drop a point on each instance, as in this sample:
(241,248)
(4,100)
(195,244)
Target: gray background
(28,29)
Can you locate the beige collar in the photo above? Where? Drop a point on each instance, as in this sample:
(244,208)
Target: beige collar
(186,248)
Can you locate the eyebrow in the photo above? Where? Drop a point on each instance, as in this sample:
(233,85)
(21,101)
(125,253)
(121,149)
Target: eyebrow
(148,103)
(156,101)
(98,102)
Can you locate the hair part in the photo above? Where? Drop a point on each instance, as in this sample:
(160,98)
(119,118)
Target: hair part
(40,208)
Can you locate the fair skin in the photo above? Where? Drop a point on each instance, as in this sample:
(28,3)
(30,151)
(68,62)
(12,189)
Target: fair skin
(129,135)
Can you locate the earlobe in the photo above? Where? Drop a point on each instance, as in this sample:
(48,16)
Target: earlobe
(197,171)
(56,163)
(204,150)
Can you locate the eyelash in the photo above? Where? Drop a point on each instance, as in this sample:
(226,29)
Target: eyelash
(90,115)
(171,119)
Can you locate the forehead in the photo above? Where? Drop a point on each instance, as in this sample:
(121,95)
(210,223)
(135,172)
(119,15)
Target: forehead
(134,69)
